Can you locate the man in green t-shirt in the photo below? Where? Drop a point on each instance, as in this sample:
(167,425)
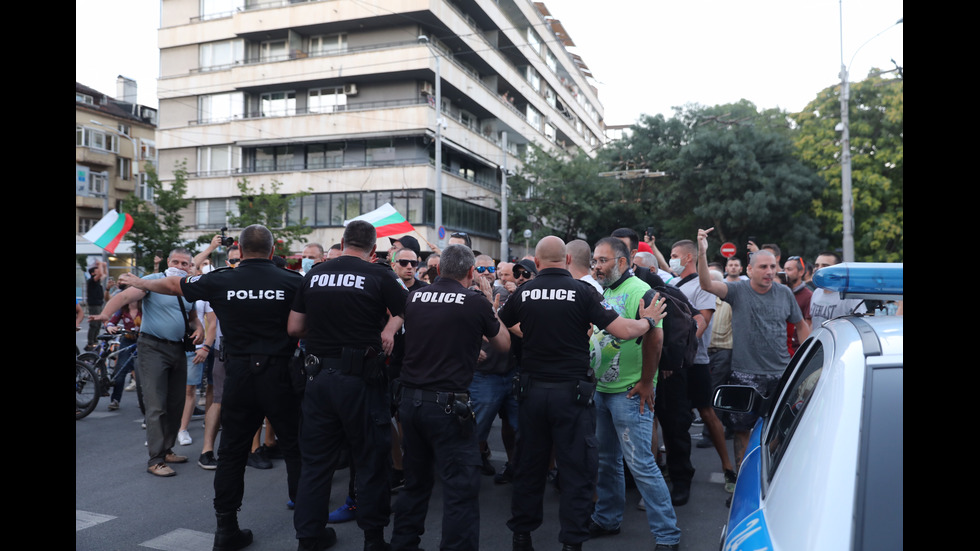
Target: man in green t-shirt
(626,371)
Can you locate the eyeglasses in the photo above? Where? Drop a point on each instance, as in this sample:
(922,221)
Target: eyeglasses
(405,263)
(596,261)
(234,261)
(481,269)
(521,272)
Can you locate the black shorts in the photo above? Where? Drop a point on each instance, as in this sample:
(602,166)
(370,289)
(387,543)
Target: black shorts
(699,385)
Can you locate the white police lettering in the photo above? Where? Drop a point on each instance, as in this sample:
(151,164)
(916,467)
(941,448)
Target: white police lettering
(548,294)
(427,296)
(337,280)
(257,294)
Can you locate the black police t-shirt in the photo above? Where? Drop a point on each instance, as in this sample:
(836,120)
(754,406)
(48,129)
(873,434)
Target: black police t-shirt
(555,312)
(345,301)
(444,326)
(253,302)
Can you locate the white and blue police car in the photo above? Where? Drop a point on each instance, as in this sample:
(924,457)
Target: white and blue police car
(823,469)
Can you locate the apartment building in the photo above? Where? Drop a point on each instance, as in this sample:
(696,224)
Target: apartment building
(114,139)
(339,97)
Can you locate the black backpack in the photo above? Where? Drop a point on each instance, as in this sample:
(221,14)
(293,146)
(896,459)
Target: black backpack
(680,329)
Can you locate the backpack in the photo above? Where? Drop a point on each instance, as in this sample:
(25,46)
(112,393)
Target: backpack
(680,329)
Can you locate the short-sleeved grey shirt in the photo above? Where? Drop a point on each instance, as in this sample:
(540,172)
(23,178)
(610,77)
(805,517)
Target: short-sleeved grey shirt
(759,327)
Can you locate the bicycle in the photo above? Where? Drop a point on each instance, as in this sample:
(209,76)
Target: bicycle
(105,362)
(86,389)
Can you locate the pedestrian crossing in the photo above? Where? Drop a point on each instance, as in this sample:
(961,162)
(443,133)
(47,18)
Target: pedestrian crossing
(175,540)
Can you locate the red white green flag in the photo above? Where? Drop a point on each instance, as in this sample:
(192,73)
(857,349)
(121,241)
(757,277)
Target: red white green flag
(108,232)
(386,220)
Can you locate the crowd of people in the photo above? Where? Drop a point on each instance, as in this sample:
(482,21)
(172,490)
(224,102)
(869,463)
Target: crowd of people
(396,366)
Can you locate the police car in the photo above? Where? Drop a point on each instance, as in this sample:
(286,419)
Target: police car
(823,469)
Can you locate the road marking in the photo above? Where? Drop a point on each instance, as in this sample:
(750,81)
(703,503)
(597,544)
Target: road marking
(181,540)
(84,519)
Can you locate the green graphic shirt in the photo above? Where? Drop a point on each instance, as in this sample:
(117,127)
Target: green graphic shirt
(618,363)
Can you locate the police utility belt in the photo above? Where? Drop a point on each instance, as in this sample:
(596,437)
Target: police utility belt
(457,403)
(366,363)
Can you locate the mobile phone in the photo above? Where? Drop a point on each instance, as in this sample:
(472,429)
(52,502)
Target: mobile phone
(650,231)
(782,277)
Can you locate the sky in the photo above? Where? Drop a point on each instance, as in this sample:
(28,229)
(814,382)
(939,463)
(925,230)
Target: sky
(647,56)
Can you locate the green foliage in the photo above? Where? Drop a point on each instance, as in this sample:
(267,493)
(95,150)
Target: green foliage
(876,116)
(157,226)
(730,167)
(270,208)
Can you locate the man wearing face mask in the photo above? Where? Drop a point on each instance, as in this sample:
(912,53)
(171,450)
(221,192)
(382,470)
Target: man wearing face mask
(161,360)
(312,255)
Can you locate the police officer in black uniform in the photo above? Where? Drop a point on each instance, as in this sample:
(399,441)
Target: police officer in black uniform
(253,301)
(447,322)
(556,386)
(340,312)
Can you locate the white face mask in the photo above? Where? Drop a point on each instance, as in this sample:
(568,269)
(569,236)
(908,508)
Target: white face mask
(676,266)
(171,271)
(206,269)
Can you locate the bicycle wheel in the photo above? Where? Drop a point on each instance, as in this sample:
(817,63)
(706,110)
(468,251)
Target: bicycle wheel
(86,389)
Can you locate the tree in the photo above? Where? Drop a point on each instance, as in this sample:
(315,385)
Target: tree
(730,167)
(157,225)
(564,196)
(270,209)
(876,116)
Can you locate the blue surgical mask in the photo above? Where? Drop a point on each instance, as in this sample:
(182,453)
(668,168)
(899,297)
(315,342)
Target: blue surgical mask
(307,264)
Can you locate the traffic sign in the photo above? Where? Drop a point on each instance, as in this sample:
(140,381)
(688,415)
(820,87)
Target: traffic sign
(728,250)
(442,232)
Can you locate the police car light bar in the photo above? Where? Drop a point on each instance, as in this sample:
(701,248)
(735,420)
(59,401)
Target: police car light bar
(868,280)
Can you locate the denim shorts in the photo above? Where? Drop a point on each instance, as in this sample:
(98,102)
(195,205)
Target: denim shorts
(195,372)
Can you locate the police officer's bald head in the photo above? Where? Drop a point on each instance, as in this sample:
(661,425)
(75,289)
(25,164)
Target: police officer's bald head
(256,242)
(550,252)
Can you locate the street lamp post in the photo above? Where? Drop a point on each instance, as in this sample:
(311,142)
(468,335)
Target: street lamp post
(438,144)
(845,159)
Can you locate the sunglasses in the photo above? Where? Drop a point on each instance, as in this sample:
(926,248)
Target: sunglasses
(234,261)
(521,272)
(800,260)
(481,269)
(405,263)
(459,234)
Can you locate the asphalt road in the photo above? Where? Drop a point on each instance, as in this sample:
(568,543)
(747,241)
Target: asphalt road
(119,506)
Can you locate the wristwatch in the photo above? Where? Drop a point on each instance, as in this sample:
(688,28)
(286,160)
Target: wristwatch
(653,324)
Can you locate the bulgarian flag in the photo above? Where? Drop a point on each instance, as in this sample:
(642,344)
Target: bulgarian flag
(109,231)
(386,220)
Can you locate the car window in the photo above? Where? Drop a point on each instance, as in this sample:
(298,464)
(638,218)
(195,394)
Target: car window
(793,402)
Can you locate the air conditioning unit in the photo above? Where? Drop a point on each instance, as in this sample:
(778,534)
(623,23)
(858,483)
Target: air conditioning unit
(350,89)
(428,88)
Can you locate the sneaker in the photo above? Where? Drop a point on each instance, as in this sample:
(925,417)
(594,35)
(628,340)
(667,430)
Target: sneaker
(597,531)
(207,461)
(114,405)
(143,423)
(290,504)
(272,452)
(258,460)
(184,438)
(161,469)
(641,506)
(345,513)
(397,480)
(730,478)
(487,468)
(505,476)
(171,457)
(131,386)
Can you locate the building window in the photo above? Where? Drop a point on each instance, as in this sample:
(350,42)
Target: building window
(123,168)
(98,183)
(324,156)
(219,159)
(551,60)
(86,224)
(273,50)
(123,129)
(326,100)
(534,40)
(96,139)
(380,150)
(221,107)
(214,9)
(84,98)
(534,117)
(143,189)
(278,104)
(213,213)
(328,44)
(148,150)
(221,55)
(533,78)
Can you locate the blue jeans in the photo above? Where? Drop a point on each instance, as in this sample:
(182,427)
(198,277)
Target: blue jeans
(490,394)
(622,431)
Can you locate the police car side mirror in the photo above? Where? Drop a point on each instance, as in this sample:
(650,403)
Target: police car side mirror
(737,399)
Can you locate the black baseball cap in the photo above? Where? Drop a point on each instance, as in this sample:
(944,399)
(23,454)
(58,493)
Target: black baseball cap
(528,265)
(408,242)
